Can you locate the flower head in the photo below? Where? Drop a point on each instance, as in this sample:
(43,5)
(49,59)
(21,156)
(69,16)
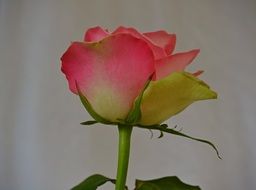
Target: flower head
(111,70)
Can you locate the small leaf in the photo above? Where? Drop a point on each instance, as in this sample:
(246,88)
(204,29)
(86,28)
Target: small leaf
(93,182)
(89,122)
(164,128)
(135,113)
(165,183)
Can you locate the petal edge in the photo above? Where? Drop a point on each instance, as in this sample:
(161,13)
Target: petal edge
(95,34)
(174,63)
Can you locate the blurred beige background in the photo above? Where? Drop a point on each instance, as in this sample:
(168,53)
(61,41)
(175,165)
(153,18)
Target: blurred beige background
(42,145)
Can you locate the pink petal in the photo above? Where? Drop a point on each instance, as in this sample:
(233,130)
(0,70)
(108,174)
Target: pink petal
(95,34)
(163,39)
(174,63)
(110,73)
(159,52)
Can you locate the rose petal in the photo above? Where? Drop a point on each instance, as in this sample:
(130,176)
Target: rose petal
(159,52)
(169,96)
(172,63)
(110,73)
(95,34)
(163,39)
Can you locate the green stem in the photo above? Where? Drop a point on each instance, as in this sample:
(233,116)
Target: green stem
(123,155)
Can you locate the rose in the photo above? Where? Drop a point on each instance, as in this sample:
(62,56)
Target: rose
(110,71)
(132,79)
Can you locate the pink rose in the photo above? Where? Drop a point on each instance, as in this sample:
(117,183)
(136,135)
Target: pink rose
(111,70)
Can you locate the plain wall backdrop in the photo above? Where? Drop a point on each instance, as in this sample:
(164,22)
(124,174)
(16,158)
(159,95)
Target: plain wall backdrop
(42,144)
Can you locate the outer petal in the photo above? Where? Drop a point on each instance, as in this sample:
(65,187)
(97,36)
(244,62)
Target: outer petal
(95,34)
(174,63)
(171,95)
(163,39)
(110,73)
(159,52)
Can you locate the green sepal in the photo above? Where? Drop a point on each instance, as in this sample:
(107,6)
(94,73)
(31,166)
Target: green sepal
(89,122)
(93,182)
(165,183)
(161,135)
(164,128)
(89,108)
(135,113)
